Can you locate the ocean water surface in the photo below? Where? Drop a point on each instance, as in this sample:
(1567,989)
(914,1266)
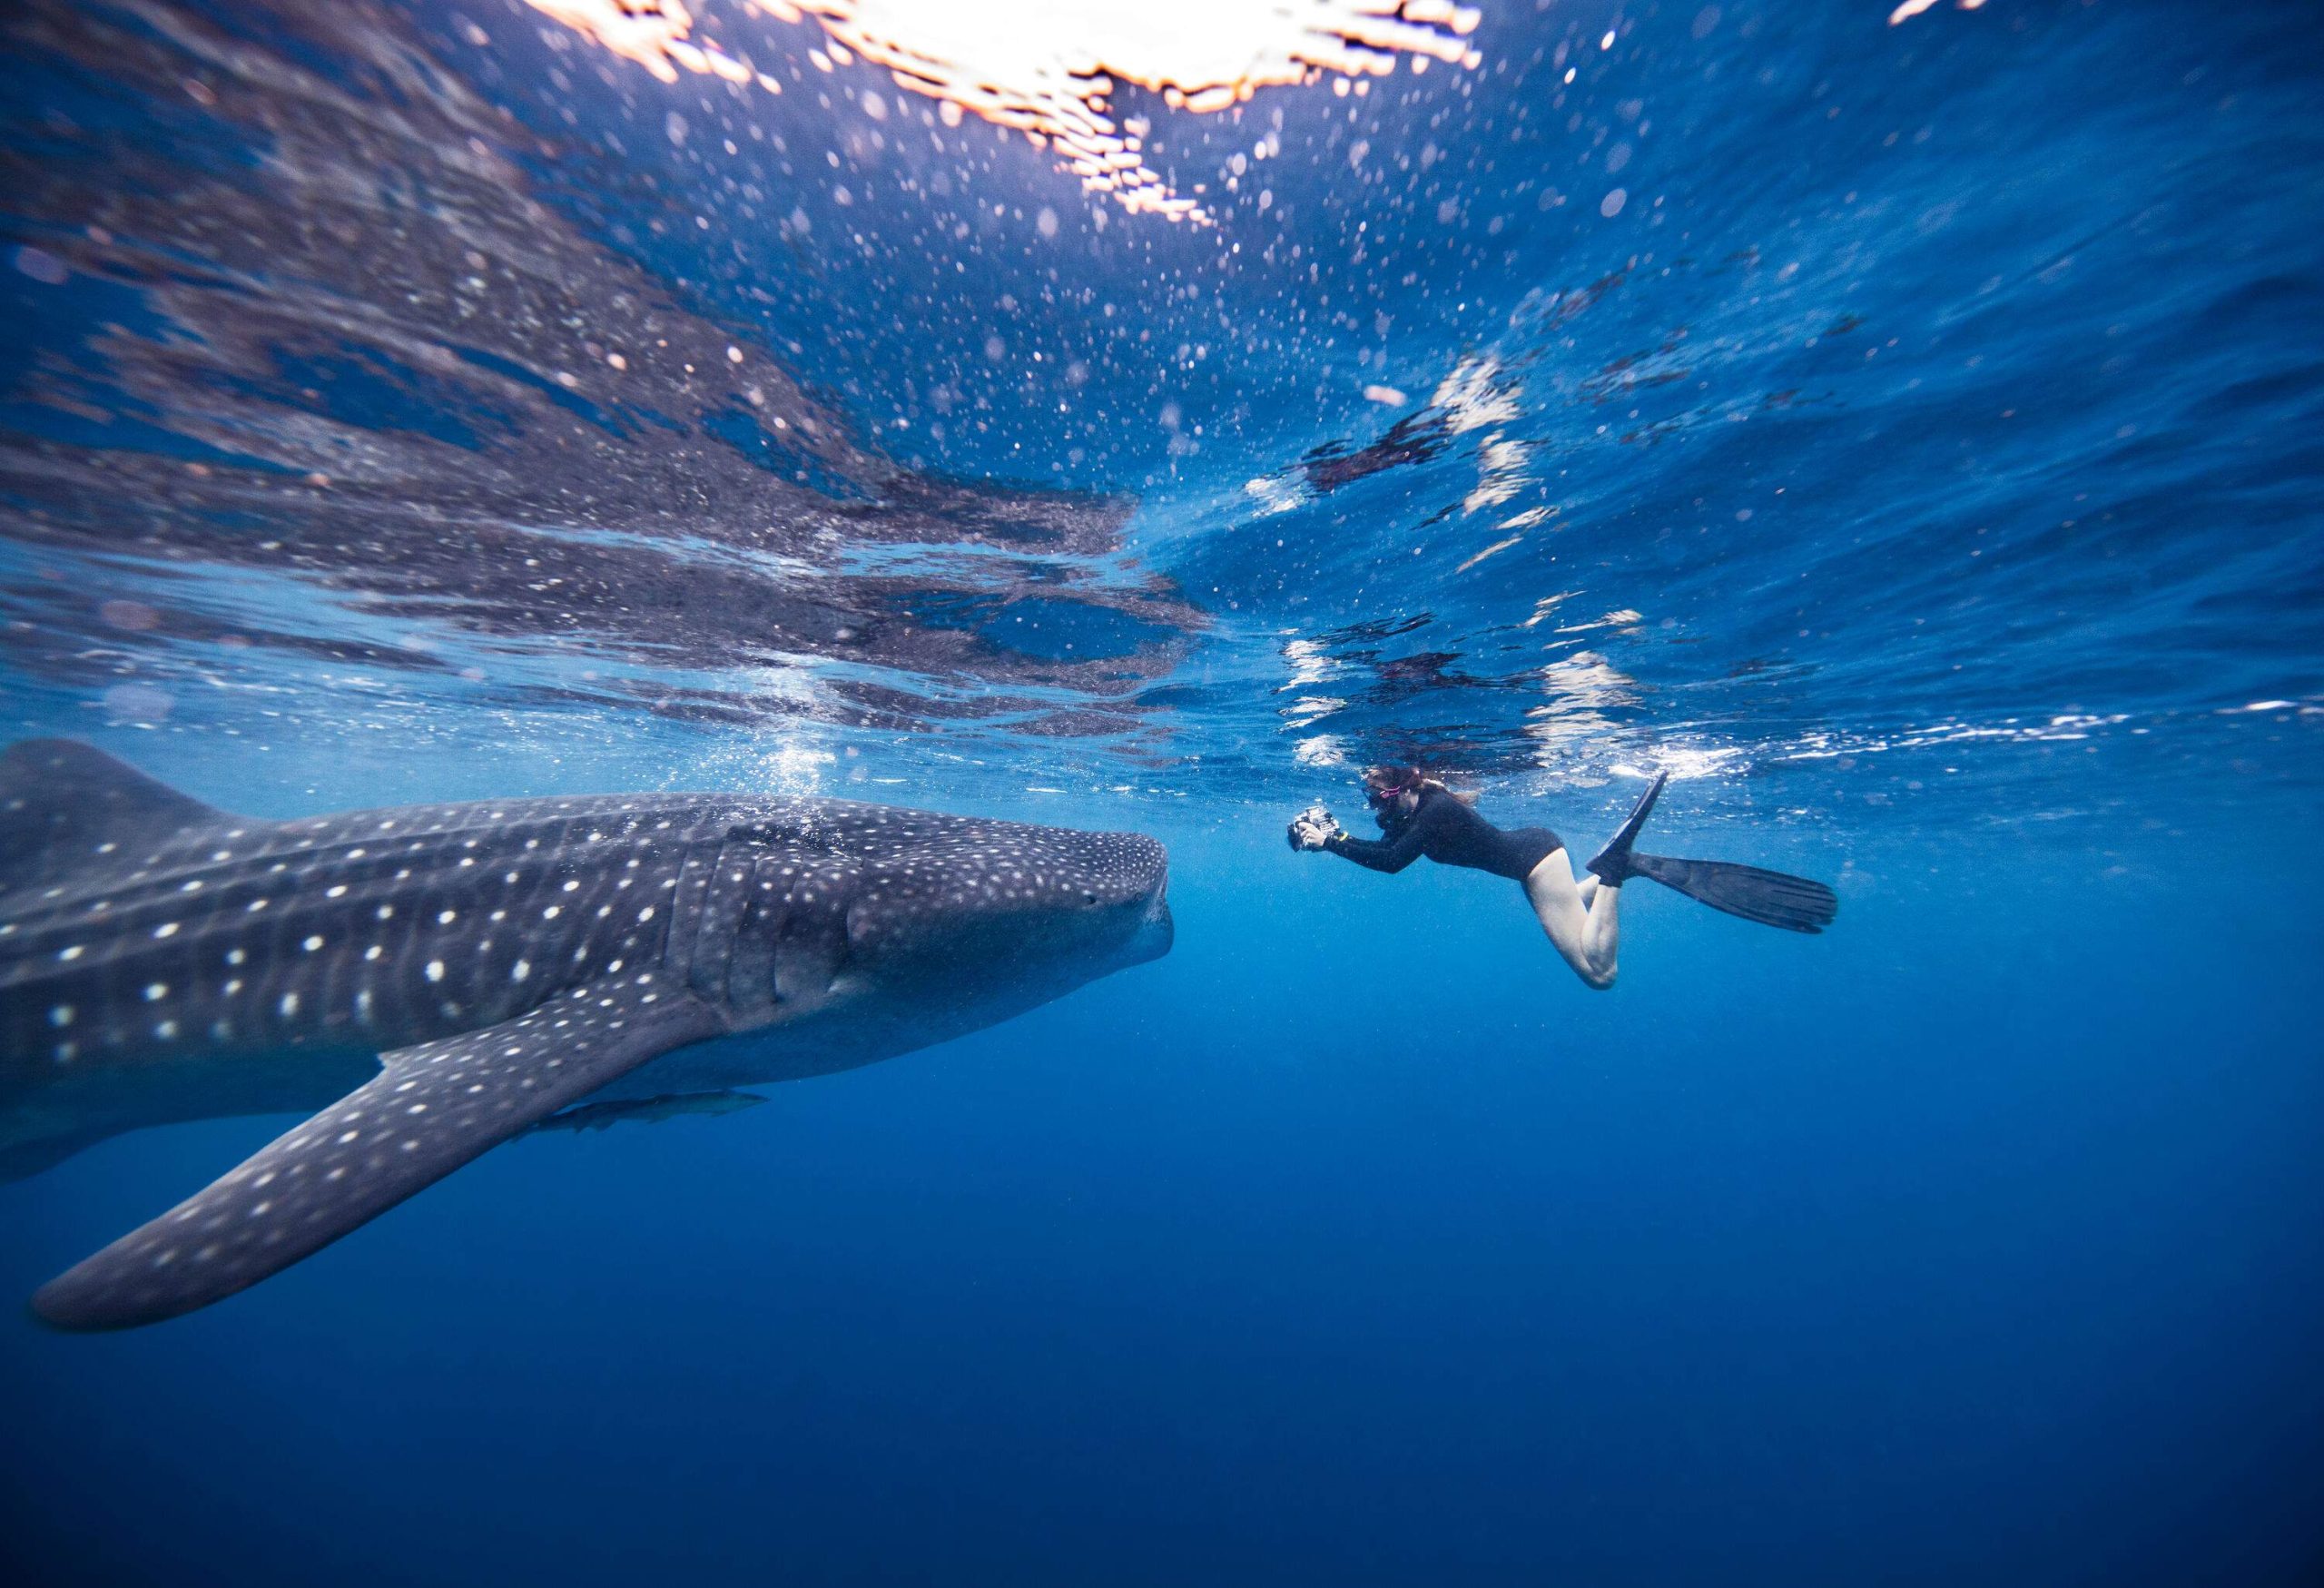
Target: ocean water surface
(1906,426)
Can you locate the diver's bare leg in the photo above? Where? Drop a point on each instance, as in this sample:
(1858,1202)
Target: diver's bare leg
(1604,941)
(1584,927)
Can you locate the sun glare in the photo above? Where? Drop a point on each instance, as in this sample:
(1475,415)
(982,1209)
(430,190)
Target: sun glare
(1049,68)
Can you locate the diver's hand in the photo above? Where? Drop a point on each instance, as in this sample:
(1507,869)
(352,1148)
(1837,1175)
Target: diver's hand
(1313,828)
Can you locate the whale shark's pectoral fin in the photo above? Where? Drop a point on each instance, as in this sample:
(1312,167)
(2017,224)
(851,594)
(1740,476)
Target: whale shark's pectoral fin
(431,1108)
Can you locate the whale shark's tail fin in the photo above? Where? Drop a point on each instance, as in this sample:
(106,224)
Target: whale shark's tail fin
(61,799)
(1770,898)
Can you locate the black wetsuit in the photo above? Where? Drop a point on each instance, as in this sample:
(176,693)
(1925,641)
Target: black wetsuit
(1448,832)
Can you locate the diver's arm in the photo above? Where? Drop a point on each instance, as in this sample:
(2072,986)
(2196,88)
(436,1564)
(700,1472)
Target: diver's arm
(1388,855)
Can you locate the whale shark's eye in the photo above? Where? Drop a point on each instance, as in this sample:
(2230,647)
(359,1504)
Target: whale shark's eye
(1088,898)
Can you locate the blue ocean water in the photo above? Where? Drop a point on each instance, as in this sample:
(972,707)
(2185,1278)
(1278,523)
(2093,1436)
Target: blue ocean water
(1905,432)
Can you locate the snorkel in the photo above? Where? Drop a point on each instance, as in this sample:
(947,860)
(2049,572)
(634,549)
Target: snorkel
(1386,787)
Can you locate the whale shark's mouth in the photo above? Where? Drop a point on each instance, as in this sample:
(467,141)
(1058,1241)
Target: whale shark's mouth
(1156,930)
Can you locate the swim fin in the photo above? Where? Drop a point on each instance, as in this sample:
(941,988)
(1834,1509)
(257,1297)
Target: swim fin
(1612,864)
(1770,898)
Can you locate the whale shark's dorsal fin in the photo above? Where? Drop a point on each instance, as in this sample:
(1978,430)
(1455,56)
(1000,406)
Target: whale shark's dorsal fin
(61,799)
(431,1108)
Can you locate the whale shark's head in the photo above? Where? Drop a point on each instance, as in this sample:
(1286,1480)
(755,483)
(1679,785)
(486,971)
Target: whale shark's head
(1001,903)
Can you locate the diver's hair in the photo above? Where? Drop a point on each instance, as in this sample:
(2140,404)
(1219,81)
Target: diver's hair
(1390,776)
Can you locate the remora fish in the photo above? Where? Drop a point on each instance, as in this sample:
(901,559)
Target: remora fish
(649,1111)
(162,960)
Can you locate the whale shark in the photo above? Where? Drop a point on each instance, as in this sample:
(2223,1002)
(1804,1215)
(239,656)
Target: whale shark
(427,982)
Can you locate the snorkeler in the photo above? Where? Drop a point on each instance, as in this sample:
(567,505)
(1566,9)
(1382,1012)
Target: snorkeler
(1421,816)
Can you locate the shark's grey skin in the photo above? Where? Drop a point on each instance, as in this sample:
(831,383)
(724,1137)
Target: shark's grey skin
(162,960)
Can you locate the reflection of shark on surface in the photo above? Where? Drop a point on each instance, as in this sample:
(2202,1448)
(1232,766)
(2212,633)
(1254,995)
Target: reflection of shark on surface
(162,960)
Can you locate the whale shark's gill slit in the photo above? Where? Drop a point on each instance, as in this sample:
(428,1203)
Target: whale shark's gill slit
(809,952)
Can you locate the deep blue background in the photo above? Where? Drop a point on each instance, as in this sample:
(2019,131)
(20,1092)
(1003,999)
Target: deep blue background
(1932,442)
(1353,1242)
